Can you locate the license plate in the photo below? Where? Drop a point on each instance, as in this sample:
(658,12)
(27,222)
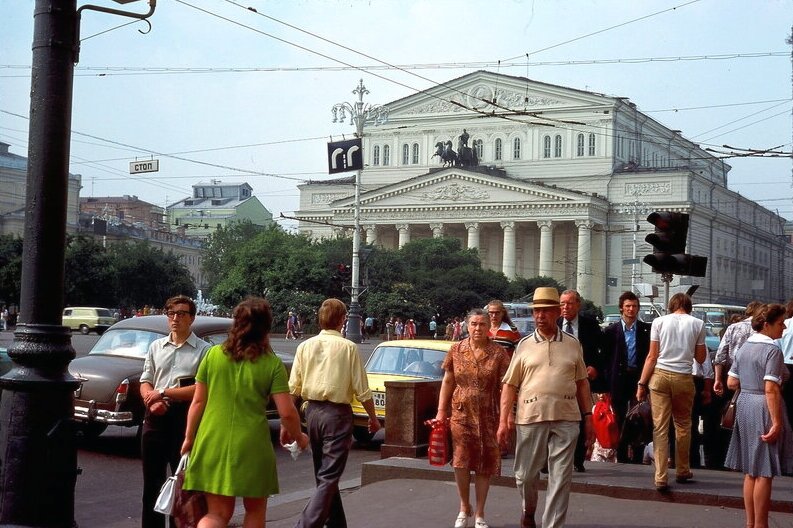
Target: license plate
(379,399)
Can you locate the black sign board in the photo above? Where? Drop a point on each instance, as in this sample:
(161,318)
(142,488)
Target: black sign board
(345,156)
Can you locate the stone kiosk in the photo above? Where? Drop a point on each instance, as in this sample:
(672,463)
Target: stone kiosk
(408,405)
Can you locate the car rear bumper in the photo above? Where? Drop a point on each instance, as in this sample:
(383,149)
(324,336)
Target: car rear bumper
(91,413)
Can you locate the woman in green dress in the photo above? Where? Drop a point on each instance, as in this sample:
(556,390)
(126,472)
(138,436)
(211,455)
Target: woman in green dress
(227,434)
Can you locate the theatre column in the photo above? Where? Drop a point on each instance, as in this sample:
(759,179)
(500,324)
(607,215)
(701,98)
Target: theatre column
(508,258)
(584,265)
(437,230)
(473,234)
(404,233)
(546,248)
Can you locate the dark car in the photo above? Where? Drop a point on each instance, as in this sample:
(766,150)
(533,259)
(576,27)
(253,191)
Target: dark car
(109,391)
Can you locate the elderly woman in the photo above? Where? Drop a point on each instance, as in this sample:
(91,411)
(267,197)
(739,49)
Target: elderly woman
(472,385)
(761,444)
(228,435)
(676,340)
(502,331)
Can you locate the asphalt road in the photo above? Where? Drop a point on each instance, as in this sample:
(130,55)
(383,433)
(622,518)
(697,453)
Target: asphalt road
(109,486)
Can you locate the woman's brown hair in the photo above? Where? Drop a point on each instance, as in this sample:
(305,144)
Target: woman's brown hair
(249,337)
(770,313)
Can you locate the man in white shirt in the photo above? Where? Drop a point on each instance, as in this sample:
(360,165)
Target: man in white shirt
(166,386)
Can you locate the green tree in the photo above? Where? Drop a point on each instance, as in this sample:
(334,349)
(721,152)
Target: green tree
(144,274)
(10,269)
(522,289)
(271,263)
(89,279)
(221,246)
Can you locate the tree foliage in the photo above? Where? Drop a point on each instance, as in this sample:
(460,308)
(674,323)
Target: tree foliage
(89,279)
(10,269)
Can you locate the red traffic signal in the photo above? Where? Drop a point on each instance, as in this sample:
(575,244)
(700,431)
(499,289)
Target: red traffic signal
(671,231)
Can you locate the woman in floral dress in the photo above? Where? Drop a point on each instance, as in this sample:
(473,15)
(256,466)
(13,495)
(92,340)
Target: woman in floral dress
(472,388)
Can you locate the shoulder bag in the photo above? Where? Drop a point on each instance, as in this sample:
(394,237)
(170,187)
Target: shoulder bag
(728,415)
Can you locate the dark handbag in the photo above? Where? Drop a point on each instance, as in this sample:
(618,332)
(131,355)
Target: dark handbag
(728,415)
(638,425)
(190,506)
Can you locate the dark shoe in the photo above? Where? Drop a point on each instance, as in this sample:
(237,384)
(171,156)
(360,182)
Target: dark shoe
(527,520)
(685,479)
(579,468)
(661,488)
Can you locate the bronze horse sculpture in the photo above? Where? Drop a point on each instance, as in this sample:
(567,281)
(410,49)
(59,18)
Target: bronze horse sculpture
(447,156)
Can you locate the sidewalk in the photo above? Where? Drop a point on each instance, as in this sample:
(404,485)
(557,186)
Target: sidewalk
(409,492)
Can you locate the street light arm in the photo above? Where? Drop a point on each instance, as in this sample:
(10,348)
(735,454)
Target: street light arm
(109,10)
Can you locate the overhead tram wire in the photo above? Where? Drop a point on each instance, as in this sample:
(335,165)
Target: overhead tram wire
(483,113)
(622,24)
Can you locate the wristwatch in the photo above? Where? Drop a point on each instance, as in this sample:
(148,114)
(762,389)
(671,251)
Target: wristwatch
(162,393)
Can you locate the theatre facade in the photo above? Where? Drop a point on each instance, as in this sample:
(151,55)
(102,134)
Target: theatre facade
(551,181)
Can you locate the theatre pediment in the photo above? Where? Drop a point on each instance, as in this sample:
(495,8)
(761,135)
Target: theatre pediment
(459,187)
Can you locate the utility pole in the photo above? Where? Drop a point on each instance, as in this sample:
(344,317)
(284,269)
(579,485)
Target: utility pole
(38,457)
(360,114)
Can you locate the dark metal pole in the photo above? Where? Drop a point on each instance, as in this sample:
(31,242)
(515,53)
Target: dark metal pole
(38,458)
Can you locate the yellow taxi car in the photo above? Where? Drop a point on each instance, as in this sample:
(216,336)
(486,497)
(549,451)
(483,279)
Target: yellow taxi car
(403,360)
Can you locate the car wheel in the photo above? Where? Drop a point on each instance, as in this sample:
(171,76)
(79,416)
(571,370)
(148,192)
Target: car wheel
(91,429)
(84,329)
(362,434)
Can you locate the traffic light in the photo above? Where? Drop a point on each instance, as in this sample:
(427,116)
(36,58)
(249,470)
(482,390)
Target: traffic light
(669,246)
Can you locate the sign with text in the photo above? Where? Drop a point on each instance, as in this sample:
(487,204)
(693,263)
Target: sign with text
(345,156)
(136,167)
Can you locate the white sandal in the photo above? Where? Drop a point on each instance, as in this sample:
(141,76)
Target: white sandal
(461,521)
(480,523)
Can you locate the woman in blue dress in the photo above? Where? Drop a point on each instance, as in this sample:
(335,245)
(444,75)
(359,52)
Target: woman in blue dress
(762,443)
(228,436)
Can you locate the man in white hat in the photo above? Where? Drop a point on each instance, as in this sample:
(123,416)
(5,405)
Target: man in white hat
(548,376)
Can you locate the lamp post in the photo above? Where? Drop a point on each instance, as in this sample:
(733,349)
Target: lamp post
(360,114)
(38,466)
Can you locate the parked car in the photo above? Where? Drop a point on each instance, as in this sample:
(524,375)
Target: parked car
(403,360)
(525,325)
(610,318)
(109,391)
(711,341)
(88,319)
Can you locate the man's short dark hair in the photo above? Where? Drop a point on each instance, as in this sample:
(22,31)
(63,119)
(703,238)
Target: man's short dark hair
(628,296)
(181,299)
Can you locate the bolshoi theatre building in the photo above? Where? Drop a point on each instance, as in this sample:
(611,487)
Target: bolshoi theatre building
(561,186)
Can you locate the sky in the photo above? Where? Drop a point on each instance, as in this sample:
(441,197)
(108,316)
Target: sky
(216,90)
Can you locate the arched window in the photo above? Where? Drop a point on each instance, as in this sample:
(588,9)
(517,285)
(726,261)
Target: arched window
(546,147)
(376,155)
(405,154)
(579,151)
(386,155)
(516,148)
(557,146)
(497,153)
(415,154)
(591,144)
(479,147)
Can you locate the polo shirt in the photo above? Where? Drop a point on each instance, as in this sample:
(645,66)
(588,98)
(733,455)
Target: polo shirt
(545,372)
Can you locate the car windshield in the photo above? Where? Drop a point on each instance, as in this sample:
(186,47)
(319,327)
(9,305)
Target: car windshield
(406,361)
(128,343)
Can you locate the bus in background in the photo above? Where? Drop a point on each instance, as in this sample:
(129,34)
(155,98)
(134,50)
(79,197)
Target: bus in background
(716,316)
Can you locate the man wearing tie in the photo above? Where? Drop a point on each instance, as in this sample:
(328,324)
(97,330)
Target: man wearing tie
(625,347)
(588,333)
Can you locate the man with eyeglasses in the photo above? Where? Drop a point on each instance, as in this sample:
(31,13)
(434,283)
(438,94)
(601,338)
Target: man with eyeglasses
(166,386)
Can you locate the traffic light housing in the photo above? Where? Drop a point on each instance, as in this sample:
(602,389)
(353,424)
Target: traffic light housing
(344,271)
(669,246)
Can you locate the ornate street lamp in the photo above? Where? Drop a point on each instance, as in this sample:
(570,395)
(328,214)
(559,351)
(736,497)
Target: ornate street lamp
(360,114)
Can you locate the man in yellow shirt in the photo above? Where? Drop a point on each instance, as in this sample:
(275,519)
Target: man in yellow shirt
(326,374)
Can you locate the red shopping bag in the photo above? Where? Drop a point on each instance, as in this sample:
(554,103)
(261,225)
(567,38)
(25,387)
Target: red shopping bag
(439,451)
(604,422)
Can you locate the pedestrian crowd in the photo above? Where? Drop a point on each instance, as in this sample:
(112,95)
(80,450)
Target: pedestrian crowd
(500,396)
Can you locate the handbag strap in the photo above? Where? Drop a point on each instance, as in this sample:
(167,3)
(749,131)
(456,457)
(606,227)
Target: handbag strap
(182,464)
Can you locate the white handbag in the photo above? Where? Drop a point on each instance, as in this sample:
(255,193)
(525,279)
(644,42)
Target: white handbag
(171,489)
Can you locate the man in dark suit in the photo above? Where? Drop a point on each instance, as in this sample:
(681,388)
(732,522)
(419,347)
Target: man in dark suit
(587,331)
(625,347)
